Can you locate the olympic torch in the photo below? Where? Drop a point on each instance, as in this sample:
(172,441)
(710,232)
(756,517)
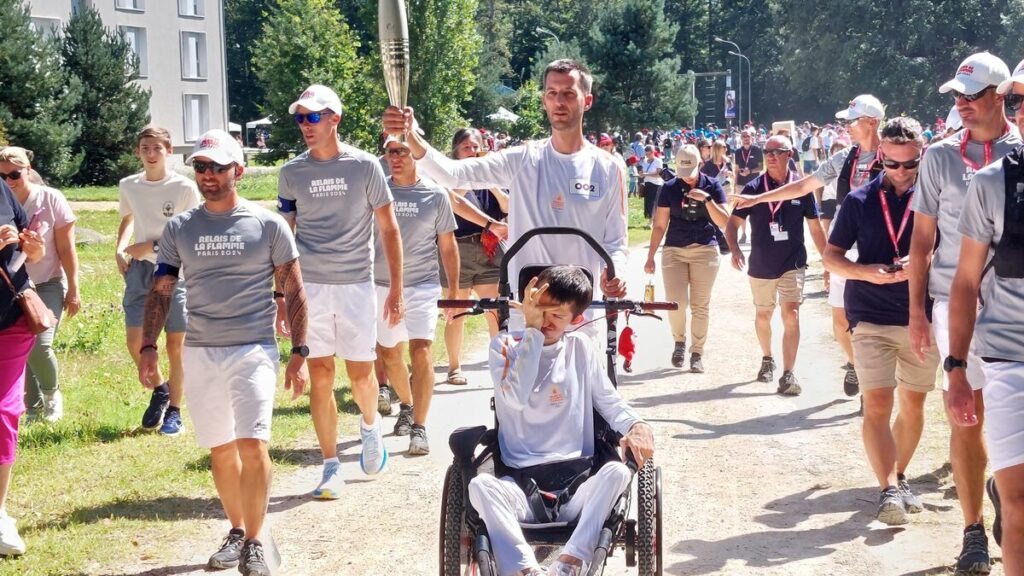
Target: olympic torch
(393,29)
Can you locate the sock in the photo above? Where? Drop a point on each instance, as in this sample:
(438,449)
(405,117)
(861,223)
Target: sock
(332,460)
(368,427)
(173,409)
(404,406)
(419,426)
(901,477)
(165,388)
(239,531)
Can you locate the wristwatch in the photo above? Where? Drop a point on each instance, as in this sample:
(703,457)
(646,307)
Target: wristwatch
(301,350)
(951,363)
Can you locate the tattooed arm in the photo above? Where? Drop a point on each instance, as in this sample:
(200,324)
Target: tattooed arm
(288,278)
(158,305)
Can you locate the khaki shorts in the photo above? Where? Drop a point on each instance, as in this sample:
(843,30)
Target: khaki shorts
(787,288)
(884,359)
(475,269)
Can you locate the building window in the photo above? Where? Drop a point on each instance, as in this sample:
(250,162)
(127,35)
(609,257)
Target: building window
(134,5)
(193,55)
(136,38)
(48,27)
(191,8)
(196,115)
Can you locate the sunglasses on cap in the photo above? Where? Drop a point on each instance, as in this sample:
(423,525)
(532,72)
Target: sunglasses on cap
(312,117)
(778,152)
(204,167)
(970,97)
(908,164)
(1013,101)
(12,176)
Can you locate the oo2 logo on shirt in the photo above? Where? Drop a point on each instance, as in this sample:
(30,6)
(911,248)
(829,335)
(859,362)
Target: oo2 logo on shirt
(585,188)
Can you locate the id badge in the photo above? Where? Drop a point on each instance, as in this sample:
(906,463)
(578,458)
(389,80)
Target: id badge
(778,234)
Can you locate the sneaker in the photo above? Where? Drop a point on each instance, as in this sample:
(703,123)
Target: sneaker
(418,445)
(252,562)
(891,509)
(767,371)
(52,409)
(172,425)
(230,550)
(158,404)
(788,385)
(559,568)
(330,483)
(910,500)
(403,426)
(384,401)
(11,543)
(851,386)
(997,525)
(679,354)
(374,455)
(696,365)
(973,558)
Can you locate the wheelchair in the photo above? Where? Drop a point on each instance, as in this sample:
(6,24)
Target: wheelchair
(464,545)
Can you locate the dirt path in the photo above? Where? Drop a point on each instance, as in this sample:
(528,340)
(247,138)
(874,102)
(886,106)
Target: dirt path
(754,483)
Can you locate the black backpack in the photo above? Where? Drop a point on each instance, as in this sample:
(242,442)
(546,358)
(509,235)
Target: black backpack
(806,146)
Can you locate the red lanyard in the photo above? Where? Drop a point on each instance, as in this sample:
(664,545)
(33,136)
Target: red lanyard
(854,183)
(988,149)
(777,205)
(893,235)
(746,157)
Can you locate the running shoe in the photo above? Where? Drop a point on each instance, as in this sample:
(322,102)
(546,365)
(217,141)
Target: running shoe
(11,543)
(679,354)
(331,482)
(851,386)
(788,385)
(252,562)
(384,401)
(374,455)
(52,407)
(403,425)
(230,550)
(696,365)
(973,558)
(997,525)
(891,509)
(559,568)
(911,500)
(418,445)
(767,371)
(172,425)
(158,404)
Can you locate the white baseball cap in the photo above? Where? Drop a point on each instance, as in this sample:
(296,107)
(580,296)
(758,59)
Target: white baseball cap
(219,146)
(687,161)
(863,106)
(316,98)
(977,72)
(1018,76)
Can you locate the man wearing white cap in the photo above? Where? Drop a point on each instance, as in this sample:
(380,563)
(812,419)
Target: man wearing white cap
(231,253)
(332,194)
(850,168)
(947,169)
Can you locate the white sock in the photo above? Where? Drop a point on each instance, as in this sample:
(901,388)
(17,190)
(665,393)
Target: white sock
(330,460)
(369,427)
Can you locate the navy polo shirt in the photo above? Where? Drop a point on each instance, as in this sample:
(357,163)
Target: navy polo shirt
(682,232)
(862,221)
(771,258)
(11,212)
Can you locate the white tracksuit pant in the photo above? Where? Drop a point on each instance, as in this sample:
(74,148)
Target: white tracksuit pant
(502,506)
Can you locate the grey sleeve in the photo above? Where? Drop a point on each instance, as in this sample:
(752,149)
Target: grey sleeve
(282,242)
(377,192)
(926,201)
(445,218)
(168,253)
(829,170)
(283,189)
(977,217)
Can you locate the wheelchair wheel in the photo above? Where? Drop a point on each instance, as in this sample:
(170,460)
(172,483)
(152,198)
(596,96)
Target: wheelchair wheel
(649,540)
(454,549)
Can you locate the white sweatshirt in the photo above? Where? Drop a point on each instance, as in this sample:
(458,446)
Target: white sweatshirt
(545,397)
(585,190)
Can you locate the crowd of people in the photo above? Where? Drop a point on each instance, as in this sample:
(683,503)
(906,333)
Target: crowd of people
(915,228)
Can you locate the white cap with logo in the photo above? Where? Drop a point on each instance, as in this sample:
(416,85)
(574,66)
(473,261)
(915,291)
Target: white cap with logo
(863,106)
(1018,76)
(687,161)
(317,98)
(219,146)
(977,72)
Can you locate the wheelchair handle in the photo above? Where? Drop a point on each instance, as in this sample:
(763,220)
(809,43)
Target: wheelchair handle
(457,303)
(553,231)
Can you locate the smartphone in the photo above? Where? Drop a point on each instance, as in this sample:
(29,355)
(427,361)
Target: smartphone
(893,268)
(33,222)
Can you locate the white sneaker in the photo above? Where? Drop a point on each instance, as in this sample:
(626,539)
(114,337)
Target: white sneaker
(11,543)
(559,568)
(53,406)
(331,483)
(374,455)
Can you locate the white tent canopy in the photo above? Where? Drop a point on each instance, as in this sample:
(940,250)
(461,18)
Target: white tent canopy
(260,122)
(504,114)
(232,127)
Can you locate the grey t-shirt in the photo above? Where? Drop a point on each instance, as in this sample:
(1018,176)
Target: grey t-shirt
(332,202)
(942,185)
(228,263)
(423,211)
(997,333)
(829,171)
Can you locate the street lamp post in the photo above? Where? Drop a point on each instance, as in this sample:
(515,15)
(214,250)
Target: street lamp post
(541,30)
(739,112)
(750,83)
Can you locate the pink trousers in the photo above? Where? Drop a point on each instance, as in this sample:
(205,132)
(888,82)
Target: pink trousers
(15,344)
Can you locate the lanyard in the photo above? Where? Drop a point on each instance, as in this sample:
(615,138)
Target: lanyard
(775,207)
(854,183)
(893,235)
(746,157)
(988,149)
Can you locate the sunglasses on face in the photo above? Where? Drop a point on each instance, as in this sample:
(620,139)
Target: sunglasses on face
(777,152)
(969,97)
(1013,101)
(12,176)
(311,118)
(400,152)
(204,167)
(894,164)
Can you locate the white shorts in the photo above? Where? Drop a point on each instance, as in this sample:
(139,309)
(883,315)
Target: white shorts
(420,321)
(342,321)
(1004,404)
(837,287)
(229,391)
(940,331)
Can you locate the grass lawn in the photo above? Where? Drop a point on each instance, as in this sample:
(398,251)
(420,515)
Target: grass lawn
(87,489)
(638,234)
(251,186)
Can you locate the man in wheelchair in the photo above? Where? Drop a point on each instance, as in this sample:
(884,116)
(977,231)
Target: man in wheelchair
(548,384)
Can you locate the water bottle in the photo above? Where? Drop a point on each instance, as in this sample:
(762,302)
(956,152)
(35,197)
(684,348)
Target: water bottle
(649,290)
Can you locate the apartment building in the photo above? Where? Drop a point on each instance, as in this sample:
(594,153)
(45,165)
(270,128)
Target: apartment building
(180,44)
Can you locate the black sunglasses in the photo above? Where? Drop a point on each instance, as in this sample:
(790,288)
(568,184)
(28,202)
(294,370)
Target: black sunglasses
(312,117)
(777,152)
(204,167)
(12,176)
(894,164)
(400,152)
(1013,101)
(970,97)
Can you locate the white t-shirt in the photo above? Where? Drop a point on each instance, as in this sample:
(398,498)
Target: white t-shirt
(654,165)
(152,204)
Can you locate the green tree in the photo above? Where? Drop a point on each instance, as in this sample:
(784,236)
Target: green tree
(113,107)
(243,24)
(494,25)
(306,42)
(36,94)
(532,121)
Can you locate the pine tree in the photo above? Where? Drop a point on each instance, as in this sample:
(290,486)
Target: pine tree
(113,108)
